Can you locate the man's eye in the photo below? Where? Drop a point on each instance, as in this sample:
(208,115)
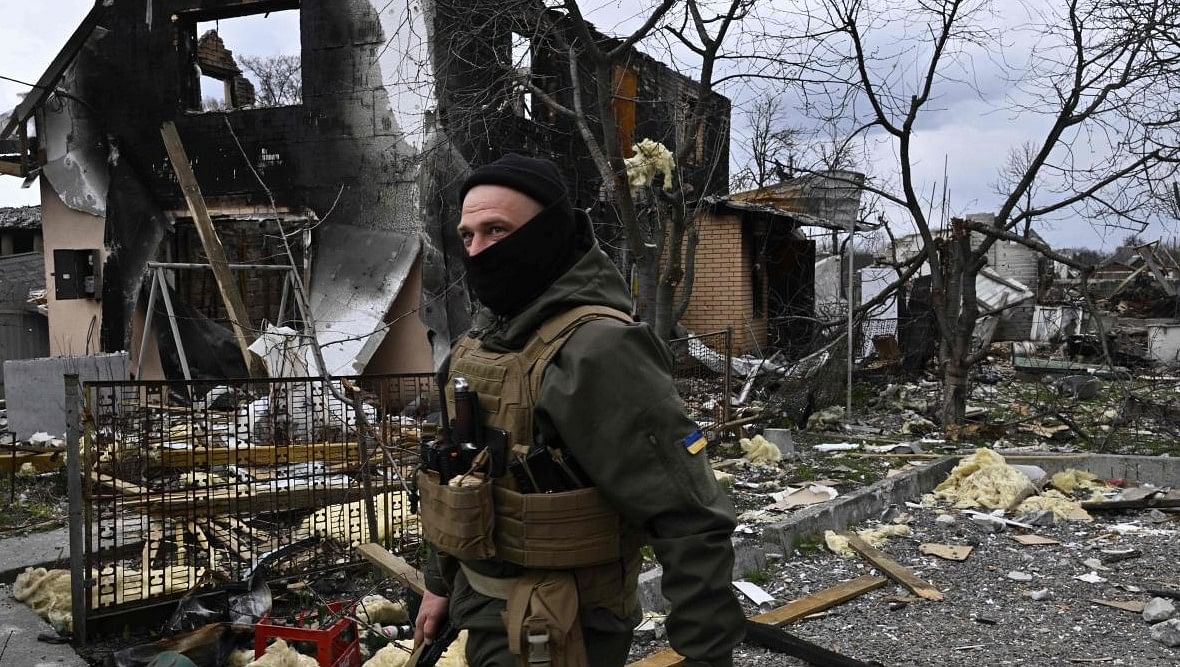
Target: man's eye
(498,230)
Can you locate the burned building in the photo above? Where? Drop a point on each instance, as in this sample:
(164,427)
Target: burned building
(350,182)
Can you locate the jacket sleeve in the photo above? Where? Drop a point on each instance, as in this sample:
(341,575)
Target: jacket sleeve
(609,396)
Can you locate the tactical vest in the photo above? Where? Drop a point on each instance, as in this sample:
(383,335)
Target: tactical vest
(573,530)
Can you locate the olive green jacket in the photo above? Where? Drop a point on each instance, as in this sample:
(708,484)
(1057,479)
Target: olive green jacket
(609,397)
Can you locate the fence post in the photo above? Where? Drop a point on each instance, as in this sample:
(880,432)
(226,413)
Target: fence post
(74,468)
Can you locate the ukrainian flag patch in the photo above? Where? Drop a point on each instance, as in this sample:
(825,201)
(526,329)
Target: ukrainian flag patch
(695,442)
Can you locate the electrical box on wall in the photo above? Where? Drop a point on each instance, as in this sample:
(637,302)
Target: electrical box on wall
(76,274)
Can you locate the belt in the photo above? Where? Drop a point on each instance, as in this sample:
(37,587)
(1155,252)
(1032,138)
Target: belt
(492,587)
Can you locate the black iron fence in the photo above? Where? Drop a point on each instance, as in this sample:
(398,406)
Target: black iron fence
(191,494)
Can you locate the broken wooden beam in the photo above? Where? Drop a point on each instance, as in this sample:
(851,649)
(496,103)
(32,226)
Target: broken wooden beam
(788,613)
(263,455)
(1137,504)
(234,307)
(394,566)
(891,568)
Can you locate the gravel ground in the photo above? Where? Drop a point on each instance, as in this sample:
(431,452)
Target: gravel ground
(986,618)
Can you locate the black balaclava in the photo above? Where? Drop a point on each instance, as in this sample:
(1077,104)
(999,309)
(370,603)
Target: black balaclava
(513,272)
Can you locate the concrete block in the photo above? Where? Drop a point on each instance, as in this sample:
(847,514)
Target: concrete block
(781,438)
(36,391)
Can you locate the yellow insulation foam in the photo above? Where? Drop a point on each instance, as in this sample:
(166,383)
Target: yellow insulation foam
(984,480)
(874,536)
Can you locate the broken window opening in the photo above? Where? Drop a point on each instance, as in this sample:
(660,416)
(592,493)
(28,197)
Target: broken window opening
(264,70)
(245,241)
(522,76)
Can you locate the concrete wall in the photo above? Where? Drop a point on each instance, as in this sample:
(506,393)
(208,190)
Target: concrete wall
(36,392)
(406,348)
(74,324)
(1163,343)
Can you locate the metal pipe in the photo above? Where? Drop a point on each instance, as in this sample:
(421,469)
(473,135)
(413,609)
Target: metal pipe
(78,575)
(233,267)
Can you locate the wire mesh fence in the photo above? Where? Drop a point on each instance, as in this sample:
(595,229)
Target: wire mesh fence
(702,371)
(181,496)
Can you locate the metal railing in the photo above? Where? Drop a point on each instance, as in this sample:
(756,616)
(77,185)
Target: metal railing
(188,495)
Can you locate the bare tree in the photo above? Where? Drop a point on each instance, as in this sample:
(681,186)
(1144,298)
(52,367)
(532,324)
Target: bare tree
(1102,74)
(658,222)
(279,79)
(770,143)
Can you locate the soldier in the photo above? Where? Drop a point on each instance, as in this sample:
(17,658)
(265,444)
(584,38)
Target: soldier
(578,388)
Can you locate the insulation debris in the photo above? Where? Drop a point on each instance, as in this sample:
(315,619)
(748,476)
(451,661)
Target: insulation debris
(346,522)
(1062,507)
(279,654)
(760,450)
(240,658)
(47,592)
(984,480)
(397,654)
(874,536)
(26,470)
(725,479)
(1073,482)
(378,609)
(649,158)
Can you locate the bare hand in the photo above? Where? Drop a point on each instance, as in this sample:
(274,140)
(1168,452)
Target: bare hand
(431,615)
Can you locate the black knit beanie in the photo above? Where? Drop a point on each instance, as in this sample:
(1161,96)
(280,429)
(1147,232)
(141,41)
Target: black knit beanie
(512,273)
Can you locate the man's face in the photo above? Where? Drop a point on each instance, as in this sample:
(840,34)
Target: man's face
(492,212)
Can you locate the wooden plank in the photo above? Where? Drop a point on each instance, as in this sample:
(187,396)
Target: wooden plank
(825,599)
(891,568)
(394,566)
(216,501)
(43,462)
(788,613)
(235,308)
(263,455)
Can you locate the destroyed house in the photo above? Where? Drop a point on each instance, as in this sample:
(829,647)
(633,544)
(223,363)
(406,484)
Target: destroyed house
(755,264)
(349,184)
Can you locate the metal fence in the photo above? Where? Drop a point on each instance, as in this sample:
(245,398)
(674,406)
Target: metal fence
(702,371)
(187,488)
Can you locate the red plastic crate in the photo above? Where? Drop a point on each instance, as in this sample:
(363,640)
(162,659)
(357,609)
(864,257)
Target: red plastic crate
(335,646)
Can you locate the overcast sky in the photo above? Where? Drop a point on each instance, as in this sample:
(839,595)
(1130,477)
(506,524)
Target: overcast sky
(966,130)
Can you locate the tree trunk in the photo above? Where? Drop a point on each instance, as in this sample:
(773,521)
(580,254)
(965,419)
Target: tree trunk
(958,326)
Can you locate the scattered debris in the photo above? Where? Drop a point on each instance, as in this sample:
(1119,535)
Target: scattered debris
(946,551)
(1091,578)
(1040,595)
(1035,540)
(760,450)
(1167,633)
(838,543)
(1133,606)
(1017,575)
(1158,609)
(754,592)
(984,480)
(810,495)
(892,568)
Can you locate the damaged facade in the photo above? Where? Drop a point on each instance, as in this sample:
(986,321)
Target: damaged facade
(756,263)
(359,176)
(24,333)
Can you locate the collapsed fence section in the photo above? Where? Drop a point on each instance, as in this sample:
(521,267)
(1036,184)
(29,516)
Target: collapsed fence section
(702,372)
(189,487)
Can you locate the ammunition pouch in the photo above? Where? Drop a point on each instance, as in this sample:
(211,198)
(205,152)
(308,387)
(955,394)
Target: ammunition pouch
(572,529)
(541,620)
(457,520)
(563,530)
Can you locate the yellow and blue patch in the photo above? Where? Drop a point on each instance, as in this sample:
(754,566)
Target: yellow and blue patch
(695,442)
